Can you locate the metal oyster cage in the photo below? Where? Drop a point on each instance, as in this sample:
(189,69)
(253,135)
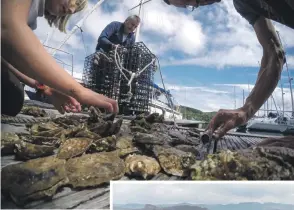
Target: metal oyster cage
(106,78)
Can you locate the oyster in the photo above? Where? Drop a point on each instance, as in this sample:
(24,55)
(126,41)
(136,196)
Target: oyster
(261,163)
(124,142)
(39,178)
(104,144)
(74,147)
(174,161)
(94,169)
(138,129)
(70,120)
(179,138)
(146,138)
(125,146)
(109,117)
(142,123)
(141,165)
(26,151)
(115,127)
(41,140)
(34,111)
(187,148)
(8,141)
(41,127)
(101,128)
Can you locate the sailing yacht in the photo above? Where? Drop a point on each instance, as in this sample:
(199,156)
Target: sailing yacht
(271,123)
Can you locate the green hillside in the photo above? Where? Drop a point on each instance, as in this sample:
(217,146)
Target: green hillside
(195,114)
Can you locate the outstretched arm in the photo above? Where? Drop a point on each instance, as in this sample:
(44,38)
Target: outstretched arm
(22,48)
(271,66)
(267,80)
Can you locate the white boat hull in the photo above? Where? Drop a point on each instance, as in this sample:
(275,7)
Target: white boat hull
(267,127)
(270,124)
(157,107)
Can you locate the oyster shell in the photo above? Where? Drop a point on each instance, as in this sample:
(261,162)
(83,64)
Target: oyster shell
(104,144)
(74,147)
(146,138)
(174,161)
(94,169)
(124,142)
(125,146)
(42,140)
(138,129)
(26,151)
(141,165)
(261,163)
(115,127)
(39,177)
(34,111)
(8,141)
(101,128)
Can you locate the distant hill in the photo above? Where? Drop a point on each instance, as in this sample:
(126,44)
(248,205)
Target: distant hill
(186,206)
(195,114)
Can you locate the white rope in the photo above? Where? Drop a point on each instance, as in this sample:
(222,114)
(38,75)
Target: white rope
(133,75)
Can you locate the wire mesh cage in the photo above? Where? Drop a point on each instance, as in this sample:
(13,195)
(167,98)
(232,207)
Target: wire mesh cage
(102,74)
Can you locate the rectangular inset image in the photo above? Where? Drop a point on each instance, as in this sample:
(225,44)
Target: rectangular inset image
(202,195)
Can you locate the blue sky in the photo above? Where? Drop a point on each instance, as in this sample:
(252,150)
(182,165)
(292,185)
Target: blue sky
(222,192)
(203,54)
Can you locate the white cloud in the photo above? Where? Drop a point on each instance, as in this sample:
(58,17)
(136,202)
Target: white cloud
(201,192)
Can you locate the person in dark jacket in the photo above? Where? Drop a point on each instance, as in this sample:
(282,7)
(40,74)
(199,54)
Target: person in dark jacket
(259,14)
(118,33)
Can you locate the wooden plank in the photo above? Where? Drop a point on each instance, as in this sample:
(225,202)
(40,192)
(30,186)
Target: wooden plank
(75,199)
(101,202)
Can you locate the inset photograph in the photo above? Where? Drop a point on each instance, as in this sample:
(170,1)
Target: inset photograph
(202,195)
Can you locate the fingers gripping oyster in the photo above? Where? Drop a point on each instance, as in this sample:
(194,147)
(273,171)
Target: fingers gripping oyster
(141,165)
(174,161)
(94,169)
(34,179)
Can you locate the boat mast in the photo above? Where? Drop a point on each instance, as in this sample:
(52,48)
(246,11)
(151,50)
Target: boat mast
(282,98)
(290,79)
(78,25)
(139,26)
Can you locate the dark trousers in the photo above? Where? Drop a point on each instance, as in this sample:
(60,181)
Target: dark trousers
(12,92)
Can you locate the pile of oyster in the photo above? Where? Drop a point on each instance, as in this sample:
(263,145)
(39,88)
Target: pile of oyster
(88,151)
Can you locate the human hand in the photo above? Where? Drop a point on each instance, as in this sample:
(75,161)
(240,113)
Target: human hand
(225,120)
(62,102)
(89,97)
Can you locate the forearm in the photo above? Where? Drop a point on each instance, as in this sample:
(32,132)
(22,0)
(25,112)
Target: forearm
(106,43)
(268,78)
(22,48)
(23,78)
